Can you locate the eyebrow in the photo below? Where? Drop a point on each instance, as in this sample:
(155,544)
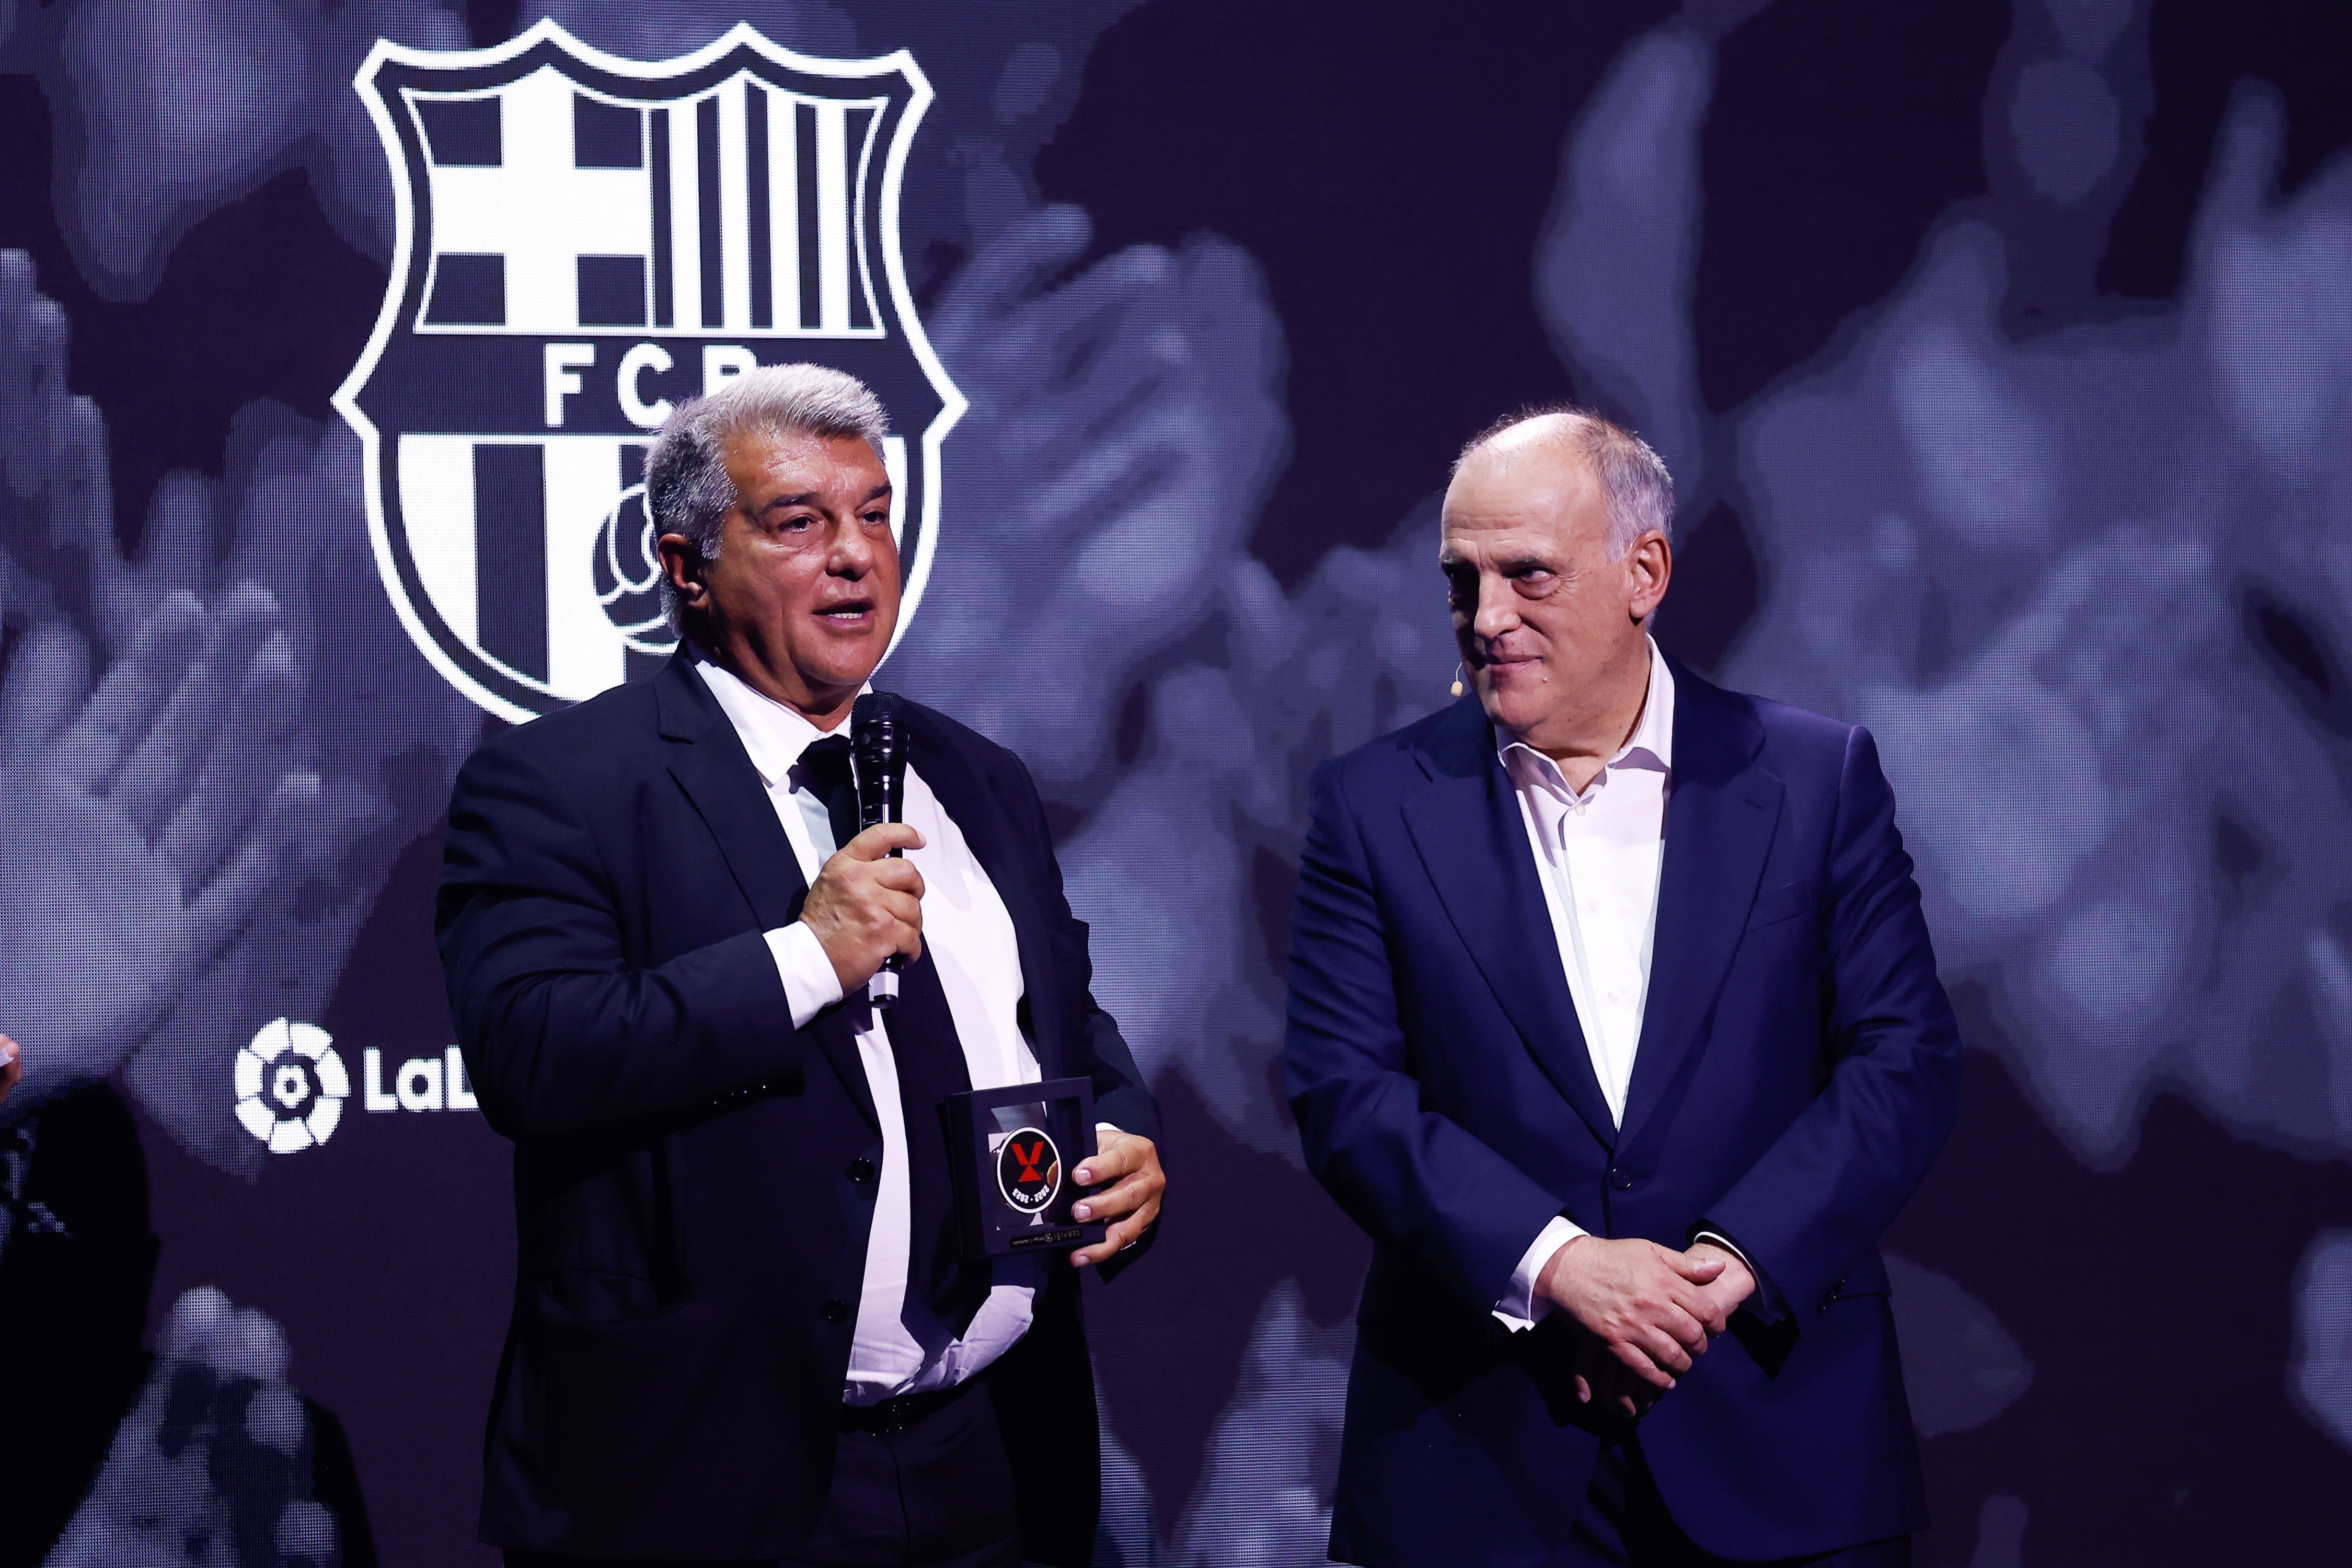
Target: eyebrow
(809,497)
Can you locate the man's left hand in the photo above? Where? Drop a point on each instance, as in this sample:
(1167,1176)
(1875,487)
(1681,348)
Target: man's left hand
(1127,1168)
(1730,1289)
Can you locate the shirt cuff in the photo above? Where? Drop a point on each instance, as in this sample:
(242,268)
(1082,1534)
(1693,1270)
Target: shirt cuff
(810,985)
(1764,1301)
(1519,1309)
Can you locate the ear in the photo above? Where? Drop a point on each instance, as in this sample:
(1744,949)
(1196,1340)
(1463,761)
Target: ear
(1649,566)
(682,566)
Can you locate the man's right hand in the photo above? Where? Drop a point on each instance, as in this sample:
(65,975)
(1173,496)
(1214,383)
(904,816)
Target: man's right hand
(1645,1304)
(866,906)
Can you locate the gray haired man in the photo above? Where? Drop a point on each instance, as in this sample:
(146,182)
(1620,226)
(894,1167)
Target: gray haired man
(744,1328)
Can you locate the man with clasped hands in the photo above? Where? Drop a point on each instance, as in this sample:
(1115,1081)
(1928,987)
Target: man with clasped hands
(1613,1020)
(744,1331)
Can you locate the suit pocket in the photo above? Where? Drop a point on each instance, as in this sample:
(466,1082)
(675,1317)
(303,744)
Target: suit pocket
(1786,902)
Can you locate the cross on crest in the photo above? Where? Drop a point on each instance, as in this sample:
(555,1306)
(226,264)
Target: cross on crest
(584,241)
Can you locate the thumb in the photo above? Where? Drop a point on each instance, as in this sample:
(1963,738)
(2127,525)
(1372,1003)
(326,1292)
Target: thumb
(1699,1270)
(878,841)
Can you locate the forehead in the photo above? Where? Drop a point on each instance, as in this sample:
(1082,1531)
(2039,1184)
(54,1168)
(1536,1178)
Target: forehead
(1532,502)
(799,460)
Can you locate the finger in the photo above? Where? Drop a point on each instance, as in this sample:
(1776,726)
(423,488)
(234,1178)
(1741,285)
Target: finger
(214,814)
(898,876)
(167,764)
(1115,1241)
(81,513)
(12,1066)
(1635,1359)
(177,551)
(1070,323)
(1663,1349)
(1685,1330)
(214,918)
(1117,1155)
(876,842)
(903,908)
(47,681)
(1111,1201)
(127,698)
(1014,266)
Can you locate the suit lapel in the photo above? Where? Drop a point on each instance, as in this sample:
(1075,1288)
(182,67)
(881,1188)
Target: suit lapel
(1720,819)
(1467,826)
(981,818)
(709,763)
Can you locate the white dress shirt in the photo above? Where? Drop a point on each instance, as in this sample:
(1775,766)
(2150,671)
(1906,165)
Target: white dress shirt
(968,933)
(1598,854)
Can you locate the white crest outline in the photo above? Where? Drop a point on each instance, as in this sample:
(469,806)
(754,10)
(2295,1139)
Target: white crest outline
(547,30)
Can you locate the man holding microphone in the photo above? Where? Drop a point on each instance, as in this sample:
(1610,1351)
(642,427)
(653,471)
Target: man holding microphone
(744,1330)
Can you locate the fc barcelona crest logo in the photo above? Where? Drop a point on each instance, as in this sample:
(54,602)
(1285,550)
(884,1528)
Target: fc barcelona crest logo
(582,241)
(1029,1171)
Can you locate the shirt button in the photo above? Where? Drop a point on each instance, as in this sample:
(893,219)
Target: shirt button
(836,1310)
(1615,996)
(1593,905)
(1619,1178)
(860,1170)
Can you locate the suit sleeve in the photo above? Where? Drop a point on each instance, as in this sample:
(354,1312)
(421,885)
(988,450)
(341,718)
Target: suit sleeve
(1830,1184)
(563,1038)
(1408,1175)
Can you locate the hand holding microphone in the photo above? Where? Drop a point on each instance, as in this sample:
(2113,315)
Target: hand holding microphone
(866,908)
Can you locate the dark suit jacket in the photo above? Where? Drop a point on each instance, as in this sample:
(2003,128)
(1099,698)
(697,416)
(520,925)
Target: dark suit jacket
(1797,1072)
(693,1179)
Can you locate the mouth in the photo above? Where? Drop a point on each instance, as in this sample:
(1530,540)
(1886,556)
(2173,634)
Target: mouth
(1499,665)
(847,614)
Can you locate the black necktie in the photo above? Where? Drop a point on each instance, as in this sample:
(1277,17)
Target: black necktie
(931,1067)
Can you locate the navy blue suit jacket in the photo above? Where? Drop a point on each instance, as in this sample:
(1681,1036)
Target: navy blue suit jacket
(694,1178)
(1797,1072)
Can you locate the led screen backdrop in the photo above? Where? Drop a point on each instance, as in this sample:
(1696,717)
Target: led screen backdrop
(2004,355)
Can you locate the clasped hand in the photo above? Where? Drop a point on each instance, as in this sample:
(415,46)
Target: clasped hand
(1647,1311)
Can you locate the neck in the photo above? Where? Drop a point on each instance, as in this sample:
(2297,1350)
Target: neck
(1610,711)
(823,706)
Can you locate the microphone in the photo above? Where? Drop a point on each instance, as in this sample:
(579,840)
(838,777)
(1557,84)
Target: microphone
(877,754)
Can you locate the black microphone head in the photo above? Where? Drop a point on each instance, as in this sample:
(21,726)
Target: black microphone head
(878,747)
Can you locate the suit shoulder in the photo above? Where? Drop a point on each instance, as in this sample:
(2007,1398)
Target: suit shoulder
(586,737)
(1394,752)
(989,758)
(1793,735)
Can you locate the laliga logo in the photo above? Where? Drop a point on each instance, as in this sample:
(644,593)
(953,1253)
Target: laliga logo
(583,242)
(290,1085)
(1029,1171)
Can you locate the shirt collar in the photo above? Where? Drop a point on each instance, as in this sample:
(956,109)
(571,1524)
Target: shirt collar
(774,734)
(1651,745)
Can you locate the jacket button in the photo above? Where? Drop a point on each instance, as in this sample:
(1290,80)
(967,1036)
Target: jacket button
(1619,1178)
(860,1170)
(836,1310)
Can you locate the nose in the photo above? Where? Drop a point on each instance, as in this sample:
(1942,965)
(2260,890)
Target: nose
(852,555)
(1499,610)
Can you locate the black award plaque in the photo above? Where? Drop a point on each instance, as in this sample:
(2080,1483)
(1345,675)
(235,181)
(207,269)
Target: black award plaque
(1013,1151)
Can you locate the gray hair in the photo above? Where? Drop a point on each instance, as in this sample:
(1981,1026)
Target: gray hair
(1635,484)
(686,488)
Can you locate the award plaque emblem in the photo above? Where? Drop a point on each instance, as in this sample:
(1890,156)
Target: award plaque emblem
(1029,1169)
(1012,1151)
